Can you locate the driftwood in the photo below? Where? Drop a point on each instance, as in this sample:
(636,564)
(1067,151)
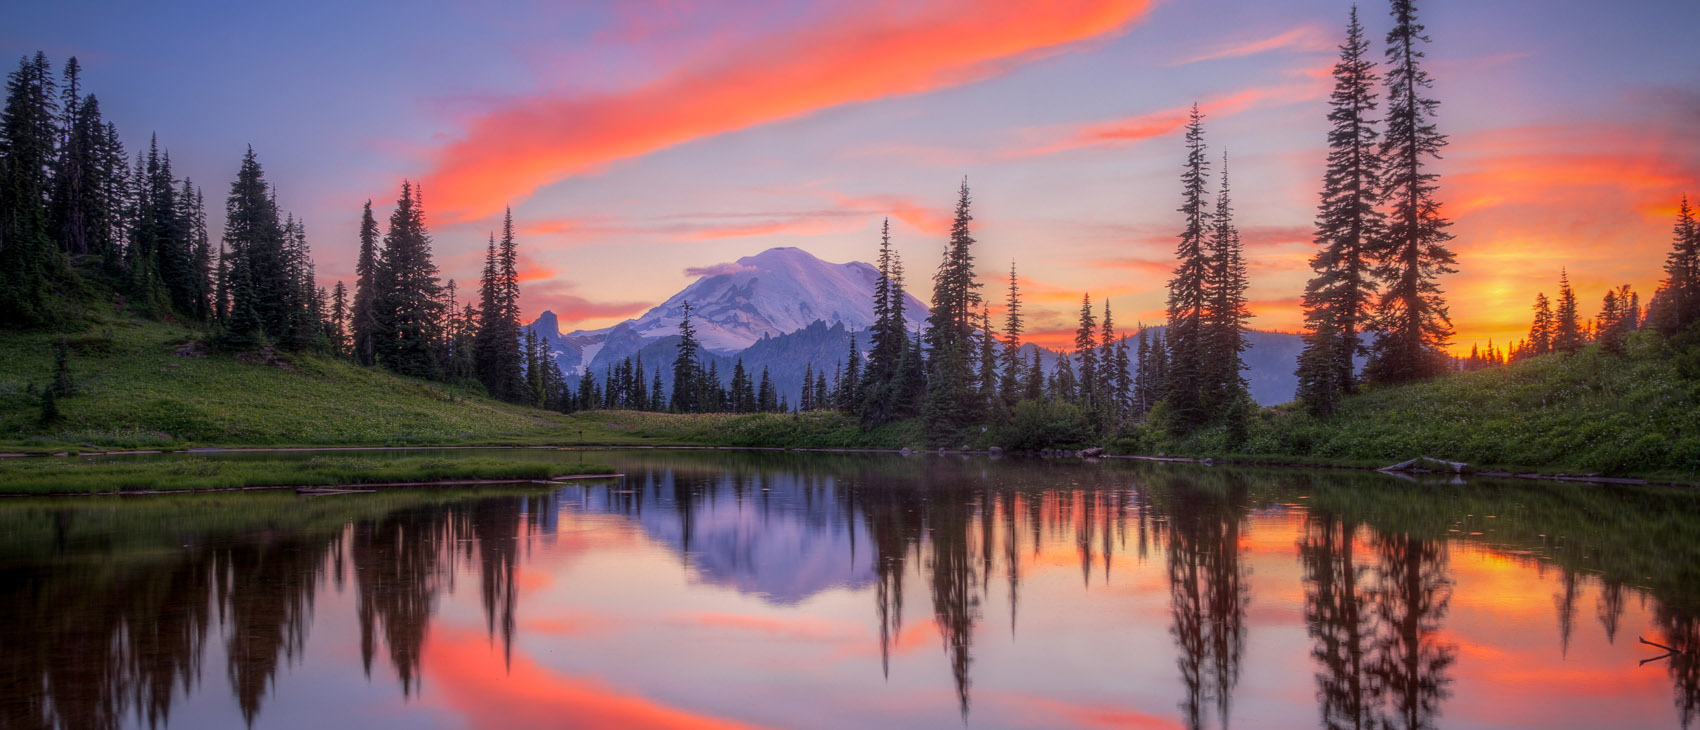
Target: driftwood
(1412,465)
(1669,651)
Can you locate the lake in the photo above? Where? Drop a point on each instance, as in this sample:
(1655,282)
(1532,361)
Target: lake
(720,589)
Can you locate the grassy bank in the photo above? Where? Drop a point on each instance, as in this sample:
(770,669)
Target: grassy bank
(141,384)
(1582,414)
(96,475)
(773,430)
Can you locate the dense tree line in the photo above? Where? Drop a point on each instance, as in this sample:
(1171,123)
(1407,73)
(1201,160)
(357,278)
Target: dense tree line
(77,218)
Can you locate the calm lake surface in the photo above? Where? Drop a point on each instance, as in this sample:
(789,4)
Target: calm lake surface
(711,589)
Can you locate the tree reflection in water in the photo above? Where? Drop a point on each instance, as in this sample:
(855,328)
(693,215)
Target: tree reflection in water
(109,612)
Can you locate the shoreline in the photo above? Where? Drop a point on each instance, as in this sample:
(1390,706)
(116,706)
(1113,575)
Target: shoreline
(1067,454)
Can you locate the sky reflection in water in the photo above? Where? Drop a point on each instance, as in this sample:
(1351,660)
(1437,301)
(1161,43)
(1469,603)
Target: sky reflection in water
(730,590)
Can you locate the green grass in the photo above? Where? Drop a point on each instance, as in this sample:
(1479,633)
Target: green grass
(774,430)
(133,390)
(1583,414)
(96,475)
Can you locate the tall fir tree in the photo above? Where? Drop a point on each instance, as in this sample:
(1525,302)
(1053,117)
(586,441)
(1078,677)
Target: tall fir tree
(1349,225)
(767,397)
(1227,311)
(497,341)
(1412,315)
(1184,385)
(1086,358)
(362,322)
(1680,294)
(32,267)
(887,340)
(1542,329)
(339,319)
(950,397)
(408,311)
(687,370)
(254,237)
(1567,335)
(1010,382)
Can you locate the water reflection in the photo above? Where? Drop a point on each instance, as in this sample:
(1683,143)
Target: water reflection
(1413,604)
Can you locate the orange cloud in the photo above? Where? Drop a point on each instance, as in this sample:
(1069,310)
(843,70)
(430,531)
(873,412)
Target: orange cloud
(924,219)
(469,674)
(1305,38)
(860,56)
(1156,124)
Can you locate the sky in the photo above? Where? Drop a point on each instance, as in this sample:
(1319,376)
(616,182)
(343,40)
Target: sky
(636,140)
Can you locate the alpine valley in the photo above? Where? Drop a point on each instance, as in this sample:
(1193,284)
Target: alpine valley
(788,311)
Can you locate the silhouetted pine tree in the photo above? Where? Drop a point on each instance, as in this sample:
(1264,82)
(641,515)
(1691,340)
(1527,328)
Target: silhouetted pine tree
(259,284)
(1086,354)
(499,322)
(361,319)
(31,266)
(1010,381)
(1412,315)
(1542,329)
(1349,224)
(886,340)
(1226,313)
(849,388)
(990,402)
(1034,388)
(950,396)
(1184,387)
(909,386)
(687,371)
(1115,370)
(1618,317)
(1144,388)
(806,397)
(339,319)
(767,399)
(407,311)
(1567,333)
(1680,294)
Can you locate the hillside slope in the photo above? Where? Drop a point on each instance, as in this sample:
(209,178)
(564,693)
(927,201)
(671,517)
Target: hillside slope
(137,384)
(1583,413)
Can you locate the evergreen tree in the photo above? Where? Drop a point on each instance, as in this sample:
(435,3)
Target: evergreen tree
(657,394)
(743,401)
(31,266)
(1184,388)
(767,399)
(1542,329)
(1349,224)
(988,377)
(1227,312)
(849,394)
(687,371)
(1567,334)
(361,319)
(1115,370)
(1144,389)
(1010,384)
(886,339)
(1034,388)
(949,405)
(909,386)
(498,326)
(1412,315)
(339,319)
(1681,290)
(254,236)
(806,398)
(1086,354)
(1617,319)
(407,310)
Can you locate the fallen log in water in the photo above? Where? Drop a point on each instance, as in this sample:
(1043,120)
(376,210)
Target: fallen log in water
(1457,466)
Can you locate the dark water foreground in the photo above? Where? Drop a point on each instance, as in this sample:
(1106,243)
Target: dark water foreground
(729,590)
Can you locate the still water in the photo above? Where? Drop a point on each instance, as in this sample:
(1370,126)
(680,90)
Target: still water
(753,590)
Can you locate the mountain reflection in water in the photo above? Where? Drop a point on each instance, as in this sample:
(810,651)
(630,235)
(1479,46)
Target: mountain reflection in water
(715,589)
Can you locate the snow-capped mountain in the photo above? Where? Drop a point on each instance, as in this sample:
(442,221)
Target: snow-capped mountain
(735,305)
